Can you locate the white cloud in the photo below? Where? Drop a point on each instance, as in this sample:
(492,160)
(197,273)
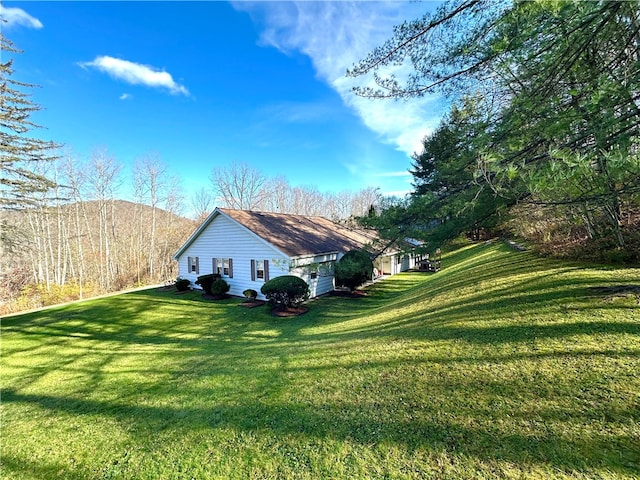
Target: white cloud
(136,74)
(11,16)
(336,35)
(125,96)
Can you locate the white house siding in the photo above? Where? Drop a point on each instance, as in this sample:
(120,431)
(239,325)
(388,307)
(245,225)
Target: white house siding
(414,260)
(323,265)
(405,263)
(224,238)
(391,264)
(386,264)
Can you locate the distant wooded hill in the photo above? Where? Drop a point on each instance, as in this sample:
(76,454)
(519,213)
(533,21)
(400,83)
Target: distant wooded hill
(76,250)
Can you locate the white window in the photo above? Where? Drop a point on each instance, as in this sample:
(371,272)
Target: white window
(223,267)
(260,270)
(193,265)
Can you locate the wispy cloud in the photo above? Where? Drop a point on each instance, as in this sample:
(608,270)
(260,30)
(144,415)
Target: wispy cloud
(13,17)
(298,112)
(125,96)
(335,35)
(136,74)
(394,174)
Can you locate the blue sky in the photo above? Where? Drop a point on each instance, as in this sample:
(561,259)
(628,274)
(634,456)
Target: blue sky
(205,84)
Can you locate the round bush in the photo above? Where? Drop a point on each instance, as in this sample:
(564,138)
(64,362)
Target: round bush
(286,291)
(250,293)
(182,284)
(219,287)
(353,269)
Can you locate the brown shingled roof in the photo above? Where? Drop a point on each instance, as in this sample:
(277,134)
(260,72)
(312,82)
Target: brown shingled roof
(299,235)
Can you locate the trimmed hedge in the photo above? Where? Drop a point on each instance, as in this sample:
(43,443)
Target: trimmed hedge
(286,291)
(205,281)
(183,284)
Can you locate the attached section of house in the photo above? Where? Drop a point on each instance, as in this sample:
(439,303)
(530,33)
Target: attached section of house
(248,248)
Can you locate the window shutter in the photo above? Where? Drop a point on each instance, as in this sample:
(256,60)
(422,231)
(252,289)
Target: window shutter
(231,268)
(197,266)
(214,265)
(189,263)
(266,270)
(253,270)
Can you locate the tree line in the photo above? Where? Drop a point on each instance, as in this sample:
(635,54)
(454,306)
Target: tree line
(542,136)
(240,186)
(77,238)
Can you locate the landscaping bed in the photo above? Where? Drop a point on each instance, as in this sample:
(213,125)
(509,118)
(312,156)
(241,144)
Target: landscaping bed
(252,303)
(285,312)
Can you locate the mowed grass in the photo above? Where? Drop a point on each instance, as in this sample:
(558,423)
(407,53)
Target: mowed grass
(502,365)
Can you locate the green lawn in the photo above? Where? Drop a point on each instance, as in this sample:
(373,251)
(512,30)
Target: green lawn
(502,365)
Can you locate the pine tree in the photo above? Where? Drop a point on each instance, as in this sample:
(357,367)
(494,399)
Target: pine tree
(560,87)
(22,185)
(20,153)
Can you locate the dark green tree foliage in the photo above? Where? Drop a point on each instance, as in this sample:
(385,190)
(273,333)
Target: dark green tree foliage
(569,135)
(286,291)
(546,108)
(446,177)
(19,153)
(353,269)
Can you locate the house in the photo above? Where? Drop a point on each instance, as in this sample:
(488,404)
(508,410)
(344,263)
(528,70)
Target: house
(248,248)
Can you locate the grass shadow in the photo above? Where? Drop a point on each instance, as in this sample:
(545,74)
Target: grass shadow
(499,359)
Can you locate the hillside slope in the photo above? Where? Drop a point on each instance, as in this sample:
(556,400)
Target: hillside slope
(501,365)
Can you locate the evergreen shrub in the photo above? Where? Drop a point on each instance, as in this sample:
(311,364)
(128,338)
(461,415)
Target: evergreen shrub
(205,281)
(183,284)
(286,291)
(353,269)
(219,287)
(250,293)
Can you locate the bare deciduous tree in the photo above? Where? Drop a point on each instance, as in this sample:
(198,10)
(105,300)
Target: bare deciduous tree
(363,200)
(104,180)
(202,203)
(280,196)
(239,186)
(150,174)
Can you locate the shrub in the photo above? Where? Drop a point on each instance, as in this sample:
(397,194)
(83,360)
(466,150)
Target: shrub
(219,288)
(183,284)
(286,291)
(353,269)
(250,293)
(13,281)
(205,281)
